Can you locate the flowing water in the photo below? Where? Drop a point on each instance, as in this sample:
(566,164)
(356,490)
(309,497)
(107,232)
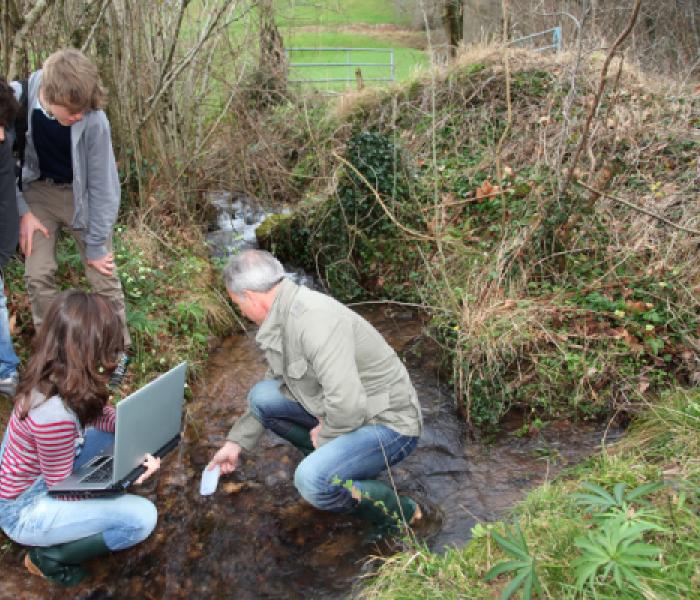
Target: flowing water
(255,538)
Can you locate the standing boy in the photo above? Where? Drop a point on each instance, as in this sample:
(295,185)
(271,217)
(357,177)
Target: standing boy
(69,179)
(8,233)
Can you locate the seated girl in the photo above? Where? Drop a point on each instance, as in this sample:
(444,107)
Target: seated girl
(62,419)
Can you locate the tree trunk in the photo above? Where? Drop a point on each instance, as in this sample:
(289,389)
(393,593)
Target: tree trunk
(453,23)
(17,33)
(273,63)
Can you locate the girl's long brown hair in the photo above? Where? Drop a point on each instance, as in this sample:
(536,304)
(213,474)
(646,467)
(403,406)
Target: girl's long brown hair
(75,352)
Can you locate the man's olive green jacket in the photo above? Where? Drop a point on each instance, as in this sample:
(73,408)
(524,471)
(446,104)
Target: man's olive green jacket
(335,364)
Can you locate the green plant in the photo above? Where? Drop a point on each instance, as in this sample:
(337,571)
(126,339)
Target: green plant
(604,506)
(614,549)
(349,240)
(513,543)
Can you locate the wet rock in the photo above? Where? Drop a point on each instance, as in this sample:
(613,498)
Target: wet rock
(176,479)
(276,478)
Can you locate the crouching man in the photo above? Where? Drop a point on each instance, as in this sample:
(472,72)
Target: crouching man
(334,388)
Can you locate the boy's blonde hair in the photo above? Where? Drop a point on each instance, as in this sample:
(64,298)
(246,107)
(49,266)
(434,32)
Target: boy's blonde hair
(70,79)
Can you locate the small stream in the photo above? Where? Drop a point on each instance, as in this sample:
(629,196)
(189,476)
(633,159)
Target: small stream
(256,538)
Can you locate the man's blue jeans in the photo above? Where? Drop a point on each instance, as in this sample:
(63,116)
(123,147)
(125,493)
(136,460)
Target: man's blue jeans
(320,477)
(8,358)
(35,519)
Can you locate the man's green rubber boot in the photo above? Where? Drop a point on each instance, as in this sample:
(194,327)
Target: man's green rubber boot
(62,563)
(383,507)
(300,437)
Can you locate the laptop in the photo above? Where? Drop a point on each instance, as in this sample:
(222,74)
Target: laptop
(147,421)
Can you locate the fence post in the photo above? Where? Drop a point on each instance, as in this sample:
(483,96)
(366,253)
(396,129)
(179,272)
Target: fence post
(556,38)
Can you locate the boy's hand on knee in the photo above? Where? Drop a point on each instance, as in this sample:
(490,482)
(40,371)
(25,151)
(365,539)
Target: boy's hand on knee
(104,265)
(226,458)
(28,225)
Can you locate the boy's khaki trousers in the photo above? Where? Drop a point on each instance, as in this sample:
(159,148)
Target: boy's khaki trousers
(52,204)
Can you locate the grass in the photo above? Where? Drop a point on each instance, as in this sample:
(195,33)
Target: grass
(663,445)
(302,13)
(550,308)
(325,25)
(333,24)
(406,60)
(581,308)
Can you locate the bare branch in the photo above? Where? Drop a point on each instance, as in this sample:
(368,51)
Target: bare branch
(29,21)
(173,44)
(509,104)
(639,209)
(98,20)
(392,218)
(599,93)
(211,27)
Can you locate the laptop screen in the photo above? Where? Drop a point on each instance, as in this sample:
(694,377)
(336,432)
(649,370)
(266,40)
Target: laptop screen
(148,419)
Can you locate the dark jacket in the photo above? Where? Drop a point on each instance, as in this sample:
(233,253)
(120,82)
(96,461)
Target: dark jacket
(9,218)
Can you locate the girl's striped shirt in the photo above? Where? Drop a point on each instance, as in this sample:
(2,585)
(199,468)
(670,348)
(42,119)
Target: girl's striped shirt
(43,443)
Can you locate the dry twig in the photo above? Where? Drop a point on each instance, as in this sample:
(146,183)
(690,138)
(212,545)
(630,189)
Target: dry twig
(596,100)
(639,209)
(385,208)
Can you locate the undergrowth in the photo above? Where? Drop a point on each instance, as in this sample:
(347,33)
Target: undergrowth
(172,304)
(622,525)
(564,304)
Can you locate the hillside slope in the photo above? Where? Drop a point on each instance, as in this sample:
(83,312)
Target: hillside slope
(559,289)
(449,192)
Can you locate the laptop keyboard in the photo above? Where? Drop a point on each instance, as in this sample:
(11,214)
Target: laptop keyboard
(103,473)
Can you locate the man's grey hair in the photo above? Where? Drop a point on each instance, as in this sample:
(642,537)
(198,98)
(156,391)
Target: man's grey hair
(254,270)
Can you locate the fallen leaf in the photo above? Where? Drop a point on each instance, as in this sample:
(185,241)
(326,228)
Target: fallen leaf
(487,190)
(643,386)
(636,306)
(232,488)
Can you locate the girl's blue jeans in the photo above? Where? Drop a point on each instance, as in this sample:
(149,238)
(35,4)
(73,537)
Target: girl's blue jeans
(35,519)
(8,358)
(352,457)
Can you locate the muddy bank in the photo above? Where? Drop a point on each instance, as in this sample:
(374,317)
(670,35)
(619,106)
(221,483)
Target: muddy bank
(255,538)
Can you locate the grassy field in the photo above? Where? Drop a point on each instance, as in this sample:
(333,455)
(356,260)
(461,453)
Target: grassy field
(352,24)
(299,13)
(406,60)
(608,330)
(621,526)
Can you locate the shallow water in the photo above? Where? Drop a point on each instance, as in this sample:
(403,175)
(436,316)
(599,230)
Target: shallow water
(255,538)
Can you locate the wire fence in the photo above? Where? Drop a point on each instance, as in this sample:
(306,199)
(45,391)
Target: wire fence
(341,65)
(553,34)
(335,68)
